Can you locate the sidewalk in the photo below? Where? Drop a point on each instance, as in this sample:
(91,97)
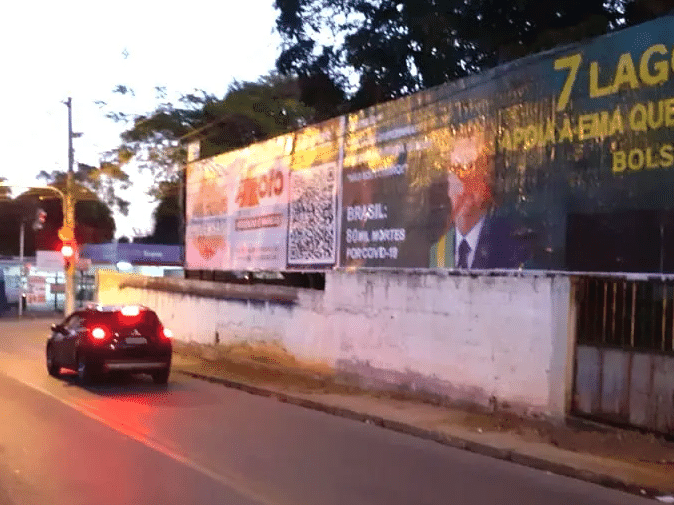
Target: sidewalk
(628,460)
(11,314)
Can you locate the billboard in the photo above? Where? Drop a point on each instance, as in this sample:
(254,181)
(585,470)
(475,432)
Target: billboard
(208,190)
(419,185)
(558,161)
(259,209)
(270,206)
(379,213)
(314,196)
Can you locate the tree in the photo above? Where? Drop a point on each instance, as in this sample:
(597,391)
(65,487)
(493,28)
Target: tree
(253,111)
(249,112)
(99,183)
(397,47)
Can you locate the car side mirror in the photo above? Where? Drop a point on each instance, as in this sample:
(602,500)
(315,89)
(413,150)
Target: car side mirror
(57,328)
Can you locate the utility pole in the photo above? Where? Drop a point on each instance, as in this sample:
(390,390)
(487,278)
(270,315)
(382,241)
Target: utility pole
(69,215)
(21,259)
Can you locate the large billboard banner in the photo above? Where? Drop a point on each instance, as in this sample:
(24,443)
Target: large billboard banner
(558,161)
(259,210)
(377,218)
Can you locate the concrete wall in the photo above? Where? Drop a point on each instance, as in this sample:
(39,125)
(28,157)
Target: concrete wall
(487,339)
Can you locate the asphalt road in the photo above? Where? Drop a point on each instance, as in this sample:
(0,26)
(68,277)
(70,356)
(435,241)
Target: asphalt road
(128,441)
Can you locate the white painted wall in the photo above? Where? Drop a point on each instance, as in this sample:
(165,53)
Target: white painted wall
(474,337)
(463,336)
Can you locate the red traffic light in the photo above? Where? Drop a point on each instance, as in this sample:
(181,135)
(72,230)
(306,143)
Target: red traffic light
(40,218)
(68,251)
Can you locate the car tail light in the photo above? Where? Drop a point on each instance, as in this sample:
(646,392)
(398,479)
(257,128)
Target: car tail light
(164,333)
(98,333)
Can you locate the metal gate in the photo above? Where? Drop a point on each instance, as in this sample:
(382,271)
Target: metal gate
(624,362)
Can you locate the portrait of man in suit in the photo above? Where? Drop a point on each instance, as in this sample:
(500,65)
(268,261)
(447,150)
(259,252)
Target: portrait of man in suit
(474,237)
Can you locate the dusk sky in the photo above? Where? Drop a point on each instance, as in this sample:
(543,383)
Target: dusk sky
(82,49)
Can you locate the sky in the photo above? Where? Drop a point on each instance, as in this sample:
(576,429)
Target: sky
(83,49)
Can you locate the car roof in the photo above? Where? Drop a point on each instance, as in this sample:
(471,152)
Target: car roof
(97,307)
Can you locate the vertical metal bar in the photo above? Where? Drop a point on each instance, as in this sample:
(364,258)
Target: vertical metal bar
(633,318)
(604,311)
(586,308)
(664,316)
(672,318)
(591,309)
(613,316)
(670,298)
(622,319)
(581,297)
(598,310)
(652,301)
(21,265)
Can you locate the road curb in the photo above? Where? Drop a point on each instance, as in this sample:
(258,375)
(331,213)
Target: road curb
(448,440)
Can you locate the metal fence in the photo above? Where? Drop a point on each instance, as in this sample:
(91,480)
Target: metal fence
(631,314)
(624,359)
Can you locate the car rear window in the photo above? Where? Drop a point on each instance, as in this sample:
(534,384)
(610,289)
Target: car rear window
(146,322)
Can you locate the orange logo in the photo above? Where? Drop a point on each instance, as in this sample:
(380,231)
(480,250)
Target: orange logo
(208,246)
(252,189)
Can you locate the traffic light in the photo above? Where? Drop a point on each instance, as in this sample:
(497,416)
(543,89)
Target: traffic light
(40,218)
(69,252)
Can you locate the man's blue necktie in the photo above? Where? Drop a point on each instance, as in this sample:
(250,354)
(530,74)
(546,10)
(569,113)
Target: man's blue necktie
(464,250)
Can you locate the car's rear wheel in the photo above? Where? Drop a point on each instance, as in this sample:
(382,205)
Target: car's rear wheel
(161,376)
(85,370)
(53,367)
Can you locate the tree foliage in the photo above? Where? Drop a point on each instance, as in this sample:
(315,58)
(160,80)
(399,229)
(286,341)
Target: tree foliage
(99,183)
(253,111)
(248,112)
(396,47)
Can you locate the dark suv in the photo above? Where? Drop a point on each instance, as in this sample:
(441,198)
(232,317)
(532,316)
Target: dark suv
(102,338)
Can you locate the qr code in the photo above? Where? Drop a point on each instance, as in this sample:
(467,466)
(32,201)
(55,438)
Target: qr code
(313,216)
